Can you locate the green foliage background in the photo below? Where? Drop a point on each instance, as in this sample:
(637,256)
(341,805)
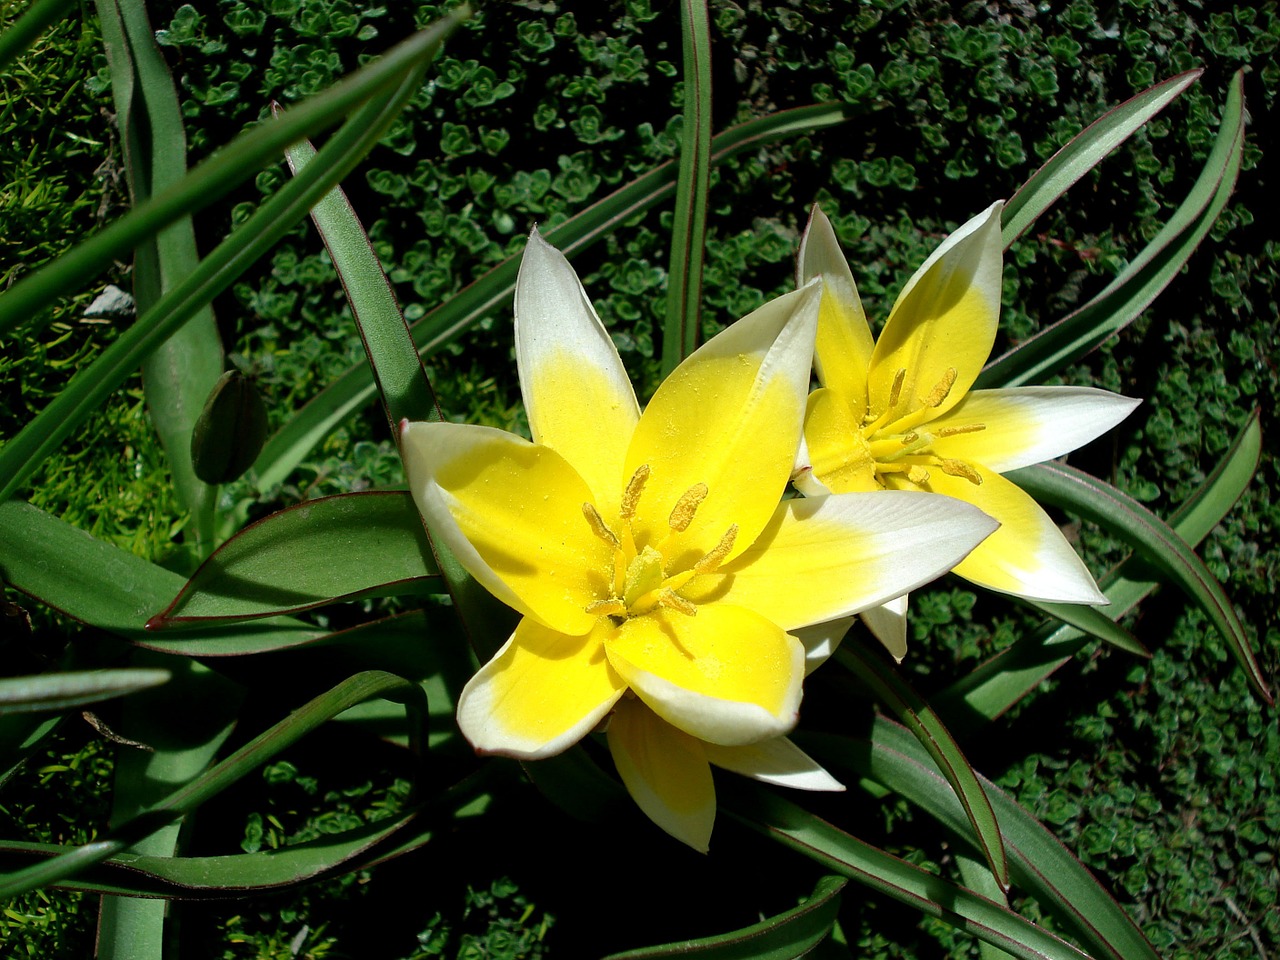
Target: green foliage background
(1161,776)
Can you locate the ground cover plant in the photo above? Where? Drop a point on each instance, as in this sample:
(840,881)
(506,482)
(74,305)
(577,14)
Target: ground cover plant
(1157,772)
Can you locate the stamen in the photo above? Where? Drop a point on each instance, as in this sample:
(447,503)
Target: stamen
(907,439)
(598,527)
(669,598)
(721,550)
(958,468)
(607,608)
(918,474)
(943,387)
(955,431)
(895,391)
(635,487)
(682,513)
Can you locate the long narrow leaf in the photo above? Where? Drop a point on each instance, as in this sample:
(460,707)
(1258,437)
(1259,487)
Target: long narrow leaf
(920,719)
(73,688)
(1093,621)
(1142,280)
(1085,151)
(1158,544)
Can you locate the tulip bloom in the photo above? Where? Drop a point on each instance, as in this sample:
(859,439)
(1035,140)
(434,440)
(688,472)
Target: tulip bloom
(651,554)
(897,413)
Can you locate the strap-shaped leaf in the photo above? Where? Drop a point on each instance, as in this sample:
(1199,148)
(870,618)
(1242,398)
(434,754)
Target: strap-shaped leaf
(318,552)
(1093,621)
(73,688)
(1145,277)
(1038,862)
(248,758)
(1085,151)
(353,388)
(1155,541)
(794,827)
(894,693)
(788,935)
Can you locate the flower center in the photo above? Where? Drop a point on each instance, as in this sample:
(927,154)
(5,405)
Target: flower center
(642,579)
(897,444)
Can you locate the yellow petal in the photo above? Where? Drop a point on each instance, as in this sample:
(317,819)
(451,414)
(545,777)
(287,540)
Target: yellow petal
(726,675)
(576,390)
(838,454)
(945,318)
(842,350)
(1026,425)
(541,693)
(1028,556)
(665,772)
(822,558)
(728,417)
(777,761)
(511,511)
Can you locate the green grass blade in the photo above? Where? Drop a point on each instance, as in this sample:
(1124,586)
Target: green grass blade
(23,32)
(353,388)
(1038,862)
(208,785)
(24,453)
(73,688)
(285,563)
(1153,539)
(795,827)
(223,171)
(689,228)
(1085,151)
(869,667)
(788,935)
(1141,281)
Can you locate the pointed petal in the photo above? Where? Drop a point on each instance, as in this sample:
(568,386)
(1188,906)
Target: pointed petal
(842,351)
(946,317)
(826,557)
(1028,556)
(728,417)
(726,675)
(777,761)
(541,693)
(839,456)
(575,388)
(511,511)
(820,641)
(665,772)
(888,624)
(1026,425)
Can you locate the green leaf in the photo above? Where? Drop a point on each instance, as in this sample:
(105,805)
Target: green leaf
(1085,151)
(794,827)
(318,552)
(1142,280)
(786,936)
(1160,545)
(1093,621)
(920,719)
(689,228)
(353,388)
(73,688)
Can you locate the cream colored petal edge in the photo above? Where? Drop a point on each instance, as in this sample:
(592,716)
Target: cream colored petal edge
(1026,425)
(537,586)
(539,695)
(777,761)
(827,557)
(843,346)
(734,409)
(888,624)
(666,773)
(576,390)
(820,641)
(946,318)
(1028,556)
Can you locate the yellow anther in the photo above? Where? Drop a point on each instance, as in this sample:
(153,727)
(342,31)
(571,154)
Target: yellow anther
(917,474)
(607,608)
(682,513)
(721,550)
(895,392)
(673,600)
(958,468)
(635,487)
(598,527)
(955,431)
(943,387)
(907,439)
